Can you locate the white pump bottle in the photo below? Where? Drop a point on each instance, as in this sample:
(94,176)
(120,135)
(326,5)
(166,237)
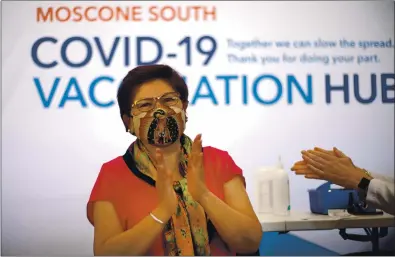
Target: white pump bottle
(272,190)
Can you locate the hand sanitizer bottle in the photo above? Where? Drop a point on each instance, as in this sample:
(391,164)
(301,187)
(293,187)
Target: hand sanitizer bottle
(263,179)
(281,197)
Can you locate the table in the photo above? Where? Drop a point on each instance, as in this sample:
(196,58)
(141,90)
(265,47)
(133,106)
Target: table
(302,221)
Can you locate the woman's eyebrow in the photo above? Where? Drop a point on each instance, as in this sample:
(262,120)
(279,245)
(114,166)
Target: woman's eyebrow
(148,97)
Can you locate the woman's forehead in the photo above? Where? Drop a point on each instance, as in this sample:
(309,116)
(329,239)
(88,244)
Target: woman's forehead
(153,88)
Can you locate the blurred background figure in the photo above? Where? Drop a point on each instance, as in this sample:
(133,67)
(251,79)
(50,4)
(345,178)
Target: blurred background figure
(334,166)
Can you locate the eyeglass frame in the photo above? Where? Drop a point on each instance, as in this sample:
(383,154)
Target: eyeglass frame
(155,99)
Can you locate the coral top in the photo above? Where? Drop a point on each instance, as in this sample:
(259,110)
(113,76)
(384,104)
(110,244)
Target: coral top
(134,196)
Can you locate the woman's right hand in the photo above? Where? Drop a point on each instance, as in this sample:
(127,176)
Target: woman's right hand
(164,186)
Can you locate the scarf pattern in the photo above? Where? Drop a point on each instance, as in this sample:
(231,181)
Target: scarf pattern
(185,234)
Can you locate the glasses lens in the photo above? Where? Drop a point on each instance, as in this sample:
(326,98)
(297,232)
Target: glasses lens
(169,99)
(145,105)
(148,104)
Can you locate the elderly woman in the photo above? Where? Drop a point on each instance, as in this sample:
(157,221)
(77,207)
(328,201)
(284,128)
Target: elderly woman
(168,195)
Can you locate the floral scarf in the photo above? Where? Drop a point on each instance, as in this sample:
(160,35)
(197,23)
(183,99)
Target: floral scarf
(186,232)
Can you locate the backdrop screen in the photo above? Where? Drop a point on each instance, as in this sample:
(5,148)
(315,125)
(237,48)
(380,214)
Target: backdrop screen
(265,79)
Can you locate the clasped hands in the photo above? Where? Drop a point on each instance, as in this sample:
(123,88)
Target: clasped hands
(331,165)
(195,177)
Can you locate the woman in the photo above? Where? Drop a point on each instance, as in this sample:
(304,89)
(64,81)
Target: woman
(168,195)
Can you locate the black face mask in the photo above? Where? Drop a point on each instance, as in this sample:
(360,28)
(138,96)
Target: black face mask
(160,127)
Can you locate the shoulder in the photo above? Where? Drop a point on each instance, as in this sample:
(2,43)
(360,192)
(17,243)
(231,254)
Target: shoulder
(215,156)
(111,170)
(112,165)
(214,152)
(220,162)
(105,185)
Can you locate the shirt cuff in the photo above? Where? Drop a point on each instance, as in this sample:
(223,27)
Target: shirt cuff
(372,191)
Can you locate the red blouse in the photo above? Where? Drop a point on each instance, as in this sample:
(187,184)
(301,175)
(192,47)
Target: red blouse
(134,196)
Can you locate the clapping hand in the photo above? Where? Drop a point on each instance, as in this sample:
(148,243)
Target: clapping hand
(164,185)
(301,168)
(333,166)
(195,174)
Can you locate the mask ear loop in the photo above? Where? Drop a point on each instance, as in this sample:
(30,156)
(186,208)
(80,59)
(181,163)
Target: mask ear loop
(131,130)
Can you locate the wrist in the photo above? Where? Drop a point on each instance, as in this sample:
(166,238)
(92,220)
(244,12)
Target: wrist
(359,175)
(363,188)
(162,213)
(203,197)
(368,175)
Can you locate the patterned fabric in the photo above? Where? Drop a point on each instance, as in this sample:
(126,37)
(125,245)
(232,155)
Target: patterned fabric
(186,232)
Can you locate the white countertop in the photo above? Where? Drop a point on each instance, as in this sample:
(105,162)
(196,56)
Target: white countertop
(298,221)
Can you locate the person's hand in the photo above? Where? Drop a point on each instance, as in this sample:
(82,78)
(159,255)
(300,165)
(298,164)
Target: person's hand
(300,167)
(334,167)
(164,185)
(195,175)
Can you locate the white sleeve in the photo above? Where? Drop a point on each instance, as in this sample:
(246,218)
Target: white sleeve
(381,195)
(382,177)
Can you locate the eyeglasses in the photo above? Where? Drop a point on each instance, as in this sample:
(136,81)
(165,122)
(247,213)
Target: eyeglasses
(147,104)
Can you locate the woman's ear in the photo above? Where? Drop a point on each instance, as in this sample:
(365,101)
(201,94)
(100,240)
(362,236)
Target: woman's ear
(185,105)
(126,121)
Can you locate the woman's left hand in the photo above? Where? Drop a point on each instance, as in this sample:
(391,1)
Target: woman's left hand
(195,174)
